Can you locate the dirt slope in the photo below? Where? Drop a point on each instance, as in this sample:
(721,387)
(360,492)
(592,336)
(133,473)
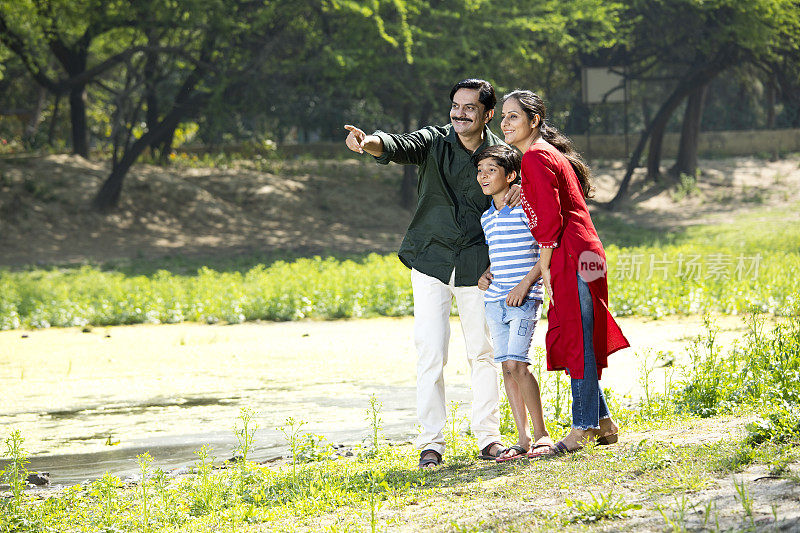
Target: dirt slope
(304,206)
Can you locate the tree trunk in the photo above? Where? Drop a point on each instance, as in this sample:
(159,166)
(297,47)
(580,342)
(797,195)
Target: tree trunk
(646,110)
(656,145)
(686,162)
(186,101)
(659,122)
(771,91)
(77,114)
(108,195)
(165,147)
(622,192)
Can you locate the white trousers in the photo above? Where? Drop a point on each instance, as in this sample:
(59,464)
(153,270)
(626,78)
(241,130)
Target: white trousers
(432,302)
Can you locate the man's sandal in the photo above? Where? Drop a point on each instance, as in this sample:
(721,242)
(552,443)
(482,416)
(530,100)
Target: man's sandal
(521,453)
(486,453)
(429,458)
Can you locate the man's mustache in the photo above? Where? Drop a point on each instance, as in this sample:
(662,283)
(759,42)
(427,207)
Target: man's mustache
(461,118)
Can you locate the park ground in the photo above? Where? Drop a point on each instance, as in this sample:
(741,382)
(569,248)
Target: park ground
(675,474)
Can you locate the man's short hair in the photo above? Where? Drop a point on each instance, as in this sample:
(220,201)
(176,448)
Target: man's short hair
(485,91)
(507,157)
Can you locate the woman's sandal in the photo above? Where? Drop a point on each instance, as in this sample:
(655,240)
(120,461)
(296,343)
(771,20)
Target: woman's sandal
(522,453)
(552,451)
(429,458)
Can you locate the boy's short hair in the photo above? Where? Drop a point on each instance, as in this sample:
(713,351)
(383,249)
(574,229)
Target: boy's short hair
(507,157)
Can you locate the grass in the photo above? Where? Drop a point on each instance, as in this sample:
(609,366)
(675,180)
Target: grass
(642,483)
(385,490)
(730,269)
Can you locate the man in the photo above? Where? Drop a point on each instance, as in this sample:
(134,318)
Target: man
(447,253)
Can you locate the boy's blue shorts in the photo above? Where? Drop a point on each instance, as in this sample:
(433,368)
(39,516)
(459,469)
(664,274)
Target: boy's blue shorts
(512,328)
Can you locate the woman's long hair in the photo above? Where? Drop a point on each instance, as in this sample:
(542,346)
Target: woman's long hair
(532,104)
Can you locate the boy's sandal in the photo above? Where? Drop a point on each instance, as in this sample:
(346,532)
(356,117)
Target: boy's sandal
(605,440)
(541,448)
(429,458)
(486,453)
(552,451)
(522,453)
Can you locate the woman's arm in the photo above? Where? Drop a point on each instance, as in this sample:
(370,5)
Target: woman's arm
(540,198)
(544,262)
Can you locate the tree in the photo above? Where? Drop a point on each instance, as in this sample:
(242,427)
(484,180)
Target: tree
(689,43)
(506,42)
(62,33)
(212,49)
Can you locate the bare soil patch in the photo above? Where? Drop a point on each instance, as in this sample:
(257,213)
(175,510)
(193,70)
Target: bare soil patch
(307,207)
(300,206)
(725,188)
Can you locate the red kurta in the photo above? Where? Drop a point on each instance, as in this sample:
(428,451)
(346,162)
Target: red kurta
(558,218)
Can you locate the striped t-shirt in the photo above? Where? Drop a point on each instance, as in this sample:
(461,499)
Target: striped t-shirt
(512,251)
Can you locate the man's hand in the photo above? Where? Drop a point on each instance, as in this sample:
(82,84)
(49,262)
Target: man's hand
(518,294)
(355,138)
(512,197)
(360,142)
(485,280)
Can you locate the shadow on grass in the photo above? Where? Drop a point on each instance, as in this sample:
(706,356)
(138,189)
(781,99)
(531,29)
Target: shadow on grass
(611,229)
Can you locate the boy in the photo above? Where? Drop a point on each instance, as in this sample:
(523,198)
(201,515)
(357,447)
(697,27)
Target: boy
(513,297)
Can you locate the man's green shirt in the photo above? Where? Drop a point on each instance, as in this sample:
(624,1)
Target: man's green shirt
(445,232)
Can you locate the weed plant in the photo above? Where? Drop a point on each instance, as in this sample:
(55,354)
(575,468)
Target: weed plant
(14,475)
(763,371)
(375,422)
(599,508)
(687,186)
(144,461)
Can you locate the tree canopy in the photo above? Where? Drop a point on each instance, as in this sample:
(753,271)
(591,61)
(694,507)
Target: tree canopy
(134,73)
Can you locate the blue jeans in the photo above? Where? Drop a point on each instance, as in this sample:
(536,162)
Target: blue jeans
(588,403)
(512,328)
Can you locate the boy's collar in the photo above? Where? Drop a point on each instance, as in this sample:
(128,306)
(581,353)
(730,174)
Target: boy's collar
(494,208)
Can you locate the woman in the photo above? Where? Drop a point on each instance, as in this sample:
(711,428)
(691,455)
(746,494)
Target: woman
(581,332)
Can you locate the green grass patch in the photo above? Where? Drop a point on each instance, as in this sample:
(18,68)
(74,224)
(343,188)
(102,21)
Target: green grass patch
(305,288)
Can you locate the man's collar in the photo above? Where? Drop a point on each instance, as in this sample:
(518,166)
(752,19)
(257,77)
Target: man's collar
(452,136)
